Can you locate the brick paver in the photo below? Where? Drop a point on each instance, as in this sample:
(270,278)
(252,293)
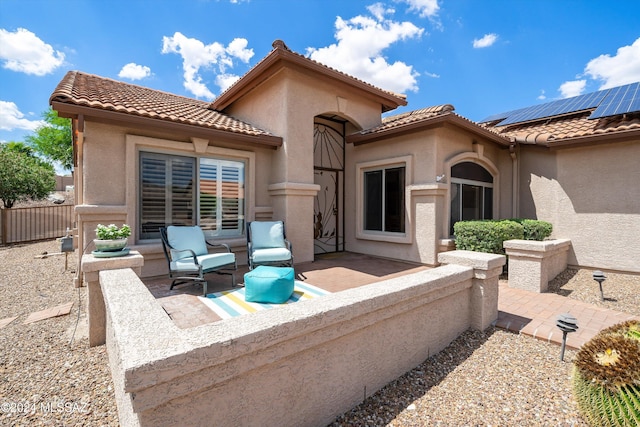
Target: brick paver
(535,314)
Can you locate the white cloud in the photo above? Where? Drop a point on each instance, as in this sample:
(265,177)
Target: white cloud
(24,52)
(486,41)
(359,51)
(133,71)
(11,118)
(572,88)
(196,56)
(425,8)
(542,95)
(432,75)
(224,81)
(618,70)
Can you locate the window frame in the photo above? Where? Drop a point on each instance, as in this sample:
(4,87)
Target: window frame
(196,160)
(387,236)
(469,182)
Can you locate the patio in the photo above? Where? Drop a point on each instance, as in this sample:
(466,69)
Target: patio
(333,272)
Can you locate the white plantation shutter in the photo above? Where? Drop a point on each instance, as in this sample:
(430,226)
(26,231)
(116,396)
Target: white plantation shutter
(222,197)
(171,194)
(232,197)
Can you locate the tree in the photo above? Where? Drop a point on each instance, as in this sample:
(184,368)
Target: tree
(23,176)
(54,140)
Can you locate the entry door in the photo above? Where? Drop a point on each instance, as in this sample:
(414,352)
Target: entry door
(328,161)
(327,231)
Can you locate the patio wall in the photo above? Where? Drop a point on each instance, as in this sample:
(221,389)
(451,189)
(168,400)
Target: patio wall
(297,365)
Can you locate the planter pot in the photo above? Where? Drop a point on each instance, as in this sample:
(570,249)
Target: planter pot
(110,245)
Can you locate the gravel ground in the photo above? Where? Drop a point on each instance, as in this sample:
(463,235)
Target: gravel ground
(46,377)
(50,376)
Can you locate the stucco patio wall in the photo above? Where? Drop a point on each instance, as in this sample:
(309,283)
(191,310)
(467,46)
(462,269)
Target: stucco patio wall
(296,365)
(533,264)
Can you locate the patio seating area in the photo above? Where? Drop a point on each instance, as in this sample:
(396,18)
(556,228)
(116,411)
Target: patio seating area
(332,272)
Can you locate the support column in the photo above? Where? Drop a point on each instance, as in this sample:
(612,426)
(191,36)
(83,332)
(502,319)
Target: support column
(91,268)
(293,203)
(484,291)
(532,264)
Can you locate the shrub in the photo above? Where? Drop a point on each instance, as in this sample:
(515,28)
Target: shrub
(606,376)
(486,236)
(535,229)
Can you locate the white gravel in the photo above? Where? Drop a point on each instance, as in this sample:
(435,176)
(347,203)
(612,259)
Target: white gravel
(50,376)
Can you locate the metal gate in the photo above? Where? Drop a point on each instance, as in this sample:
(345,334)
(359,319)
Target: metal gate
(328,161)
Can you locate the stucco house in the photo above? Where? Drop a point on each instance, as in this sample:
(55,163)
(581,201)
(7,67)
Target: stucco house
(298,141)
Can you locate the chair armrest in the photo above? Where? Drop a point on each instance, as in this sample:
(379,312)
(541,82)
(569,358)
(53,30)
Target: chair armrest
(224,245)
(193,254)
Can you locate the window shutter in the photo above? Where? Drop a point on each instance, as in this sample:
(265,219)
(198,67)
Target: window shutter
(232,197)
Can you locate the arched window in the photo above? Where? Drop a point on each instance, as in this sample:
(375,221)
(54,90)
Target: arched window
(471,193)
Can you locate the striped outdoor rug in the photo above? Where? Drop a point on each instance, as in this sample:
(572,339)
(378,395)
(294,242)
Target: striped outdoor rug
(231,303)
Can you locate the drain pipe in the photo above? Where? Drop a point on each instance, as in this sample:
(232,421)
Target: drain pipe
(515,179)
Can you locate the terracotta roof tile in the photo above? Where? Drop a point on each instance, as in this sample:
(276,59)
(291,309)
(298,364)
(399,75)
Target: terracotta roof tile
(414,116)
(555,129)
(92,91)
(279,47)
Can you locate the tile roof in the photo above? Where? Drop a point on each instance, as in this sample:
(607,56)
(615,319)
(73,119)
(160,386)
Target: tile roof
(88,90)
(410,117)
(558,129)
(281,51)
(417,120)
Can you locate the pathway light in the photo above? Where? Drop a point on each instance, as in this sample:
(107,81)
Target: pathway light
(567,323)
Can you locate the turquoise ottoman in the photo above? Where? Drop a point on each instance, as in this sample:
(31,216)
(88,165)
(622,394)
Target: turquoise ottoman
(269,284)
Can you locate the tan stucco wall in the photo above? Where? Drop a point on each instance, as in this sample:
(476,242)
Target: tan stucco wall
(297,365)
(592,197)
(110,177)
(286,105)
(429,153)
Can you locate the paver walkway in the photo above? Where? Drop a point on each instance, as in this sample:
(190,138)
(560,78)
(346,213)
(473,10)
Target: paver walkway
(535,314)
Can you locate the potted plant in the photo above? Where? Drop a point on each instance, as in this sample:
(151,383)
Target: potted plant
(111,238)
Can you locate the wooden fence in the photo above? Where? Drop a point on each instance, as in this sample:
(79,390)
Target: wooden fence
(19,225)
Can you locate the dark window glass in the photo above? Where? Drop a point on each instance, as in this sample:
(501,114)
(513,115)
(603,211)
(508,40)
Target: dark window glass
(373,200)
(471,171)
(384,200)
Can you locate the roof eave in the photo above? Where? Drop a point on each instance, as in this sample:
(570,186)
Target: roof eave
(440,120)
(589,140)
(258,74)
(69,110)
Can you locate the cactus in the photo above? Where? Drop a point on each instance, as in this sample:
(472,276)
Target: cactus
(606,376)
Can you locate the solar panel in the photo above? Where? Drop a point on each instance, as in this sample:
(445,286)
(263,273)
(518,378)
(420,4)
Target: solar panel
(500,116)
(607,102)
(556,108)
(619,100)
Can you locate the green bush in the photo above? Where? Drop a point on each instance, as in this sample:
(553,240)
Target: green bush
(486,236)
(606,376)
(535,229)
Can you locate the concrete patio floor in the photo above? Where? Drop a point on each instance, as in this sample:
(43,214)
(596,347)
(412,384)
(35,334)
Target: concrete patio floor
(519,311)
(332,272)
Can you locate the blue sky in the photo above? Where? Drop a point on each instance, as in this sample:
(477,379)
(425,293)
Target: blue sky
(484,57)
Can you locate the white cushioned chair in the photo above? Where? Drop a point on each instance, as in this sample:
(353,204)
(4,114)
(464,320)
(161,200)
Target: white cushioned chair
(267,244)
(188,257)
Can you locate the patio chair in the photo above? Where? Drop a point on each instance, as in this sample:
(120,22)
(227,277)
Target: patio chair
(188,257)
(267,244)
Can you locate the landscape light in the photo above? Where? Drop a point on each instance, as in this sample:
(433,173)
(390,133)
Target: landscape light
(599,277)
(567,323)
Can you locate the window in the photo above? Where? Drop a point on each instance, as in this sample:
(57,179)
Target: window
(471,193)
(183,190)
(384,200)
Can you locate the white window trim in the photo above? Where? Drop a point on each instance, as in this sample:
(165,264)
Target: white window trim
(136,143)
(479,158)
(382,236)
